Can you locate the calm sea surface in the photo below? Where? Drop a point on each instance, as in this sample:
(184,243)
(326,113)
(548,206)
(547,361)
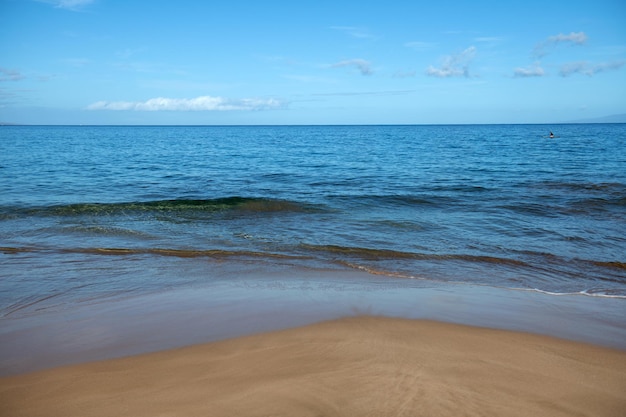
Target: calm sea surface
(90,213)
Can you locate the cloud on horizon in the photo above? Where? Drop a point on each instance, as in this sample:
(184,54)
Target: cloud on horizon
(73,5)
(364,67)
(575,38)
(535,71)
(355,32)
(366,93)
(588,69)
(455,65)
(7,74)
(202,103)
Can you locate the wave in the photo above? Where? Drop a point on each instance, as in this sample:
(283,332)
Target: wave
(601,199)
(346,252)
(610,264)
(586,293)
(338,253)
(184,253)
(584,197)
(402,200)
(591,205)
(588,187)
(596,200)
(605,208)
(388,254)
(107,231)
(179,253)
(573,276)
(176,206)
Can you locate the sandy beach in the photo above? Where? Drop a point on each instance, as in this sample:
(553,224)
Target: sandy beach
(359,366)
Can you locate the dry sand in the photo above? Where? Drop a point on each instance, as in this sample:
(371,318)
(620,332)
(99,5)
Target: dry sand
(365,366)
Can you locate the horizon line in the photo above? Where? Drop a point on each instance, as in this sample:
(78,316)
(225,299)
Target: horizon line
(8,124)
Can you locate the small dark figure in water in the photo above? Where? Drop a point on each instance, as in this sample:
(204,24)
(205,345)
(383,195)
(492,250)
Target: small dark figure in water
(551,134)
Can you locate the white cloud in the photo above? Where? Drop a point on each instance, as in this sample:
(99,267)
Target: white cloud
(535,71)
(489,39)
(355,32)
(586,68)
(578,38)
(456,65)
(7,74)
(367,93)
(575,38)
(68,4)
(127,53)
(202,103)
(364,67)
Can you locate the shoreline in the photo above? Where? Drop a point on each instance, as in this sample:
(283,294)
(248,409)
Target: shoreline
(353,366)
(259,302)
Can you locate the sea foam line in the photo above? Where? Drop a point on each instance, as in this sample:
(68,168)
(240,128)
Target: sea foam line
(585,293)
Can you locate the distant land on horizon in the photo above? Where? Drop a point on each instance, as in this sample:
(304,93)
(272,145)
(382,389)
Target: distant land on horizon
(615,118)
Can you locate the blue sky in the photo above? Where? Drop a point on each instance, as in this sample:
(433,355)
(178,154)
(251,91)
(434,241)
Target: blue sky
(310,62)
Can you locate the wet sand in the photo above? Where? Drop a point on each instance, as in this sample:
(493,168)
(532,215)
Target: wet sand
(321,344)
(359,366)
(37,338)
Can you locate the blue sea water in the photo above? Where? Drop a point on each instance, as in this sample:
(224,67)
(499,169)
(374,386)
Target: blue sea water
(99,212)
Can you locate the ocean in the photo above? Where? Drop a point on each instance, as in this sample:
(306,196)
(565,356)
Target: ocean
(96,213)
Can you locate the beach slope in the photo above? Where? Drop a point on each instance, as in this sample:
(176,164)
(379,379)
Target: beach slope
(362,366)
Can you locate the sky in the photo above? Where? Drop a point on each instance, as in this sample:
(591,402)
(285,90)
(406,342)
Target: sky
(273,62)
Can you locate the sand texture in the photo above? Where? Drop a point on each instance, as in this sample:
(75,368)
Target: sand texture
(364,366)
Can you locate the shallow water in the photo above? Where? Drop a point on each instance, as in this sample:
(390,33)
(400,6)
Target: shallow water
(96,213)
